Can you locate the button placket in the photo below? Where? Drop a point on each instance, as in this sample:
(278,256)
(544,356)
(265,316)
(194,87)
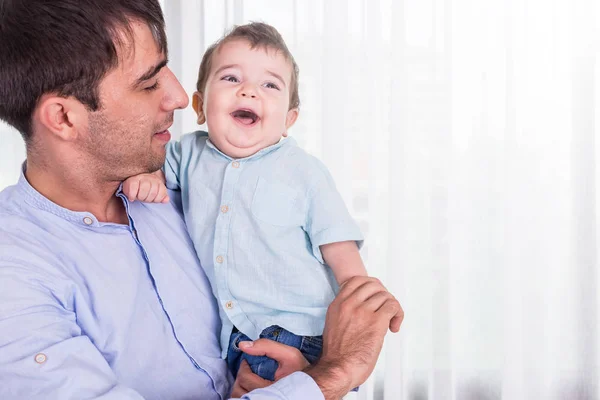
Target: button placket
(222,229)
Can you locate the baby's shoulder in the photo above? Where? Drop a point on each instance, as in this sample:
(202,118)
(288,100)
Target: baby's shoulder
(194,140)
(296,161)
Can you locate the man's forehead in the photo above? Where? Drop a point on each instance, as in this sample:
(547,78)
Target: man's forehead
(137,49)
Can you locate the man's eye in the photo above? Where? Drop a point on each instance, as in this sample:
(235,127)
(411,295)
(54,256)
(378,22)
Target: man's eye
(271,85)
(229,78)
(152,88)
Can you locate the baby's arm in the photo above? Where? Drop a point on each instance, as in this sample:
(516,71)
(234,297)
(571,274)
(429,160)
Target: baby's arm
(344,260)
(149,188)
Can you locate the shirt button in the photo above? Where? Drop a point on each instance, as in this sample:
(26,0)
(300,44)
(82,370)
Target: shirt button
(229,305)
(88,221)
(219,259)
(40,358)
(224,209)
(235,164)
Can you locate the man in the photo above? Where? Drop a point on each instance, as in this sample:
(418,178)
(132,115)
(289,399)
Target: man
(99,297)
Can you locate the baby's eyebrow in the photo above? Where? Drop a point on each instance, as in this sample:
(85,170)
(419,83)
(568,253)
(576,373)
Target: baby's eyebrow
(224,67)
(277,76)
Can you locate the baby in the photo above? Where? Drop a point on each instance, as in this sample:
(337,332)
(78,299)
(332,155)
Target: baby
(268,224)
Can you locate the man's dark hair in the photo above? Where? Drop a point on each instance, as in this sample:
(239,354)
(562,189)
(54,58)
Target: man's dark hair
(64,47)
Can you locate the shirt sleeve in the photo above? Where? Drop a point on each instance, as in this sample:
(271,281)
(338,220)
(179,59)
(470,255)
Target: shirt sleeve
(181,157)
(43,353)
(327,217)
(297,386)
(172,165)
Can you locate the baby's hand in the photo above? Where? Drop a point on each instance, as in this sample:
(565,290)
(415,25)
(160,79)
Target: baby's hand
(149,188)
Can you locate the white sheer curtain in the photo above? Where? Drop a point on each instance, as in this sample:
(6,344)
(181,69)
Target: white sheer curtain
(12,154)
(464,136)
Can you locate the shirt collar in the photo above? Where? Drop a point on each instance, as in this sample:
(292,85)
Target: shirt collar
(37,200)
(258,154)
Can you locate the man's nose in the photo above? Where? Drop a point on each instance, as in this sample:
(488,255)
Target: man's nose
(175,96)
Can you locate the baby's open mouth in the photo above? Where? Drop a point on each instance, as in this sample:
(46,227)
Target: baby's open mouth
(245,116)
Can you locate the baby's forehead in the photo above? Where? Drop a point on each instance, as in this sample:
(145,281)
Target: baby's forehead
(264,48)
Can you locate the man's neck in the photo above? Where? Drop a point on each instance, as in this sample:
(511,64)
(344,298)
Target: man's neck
(72,189)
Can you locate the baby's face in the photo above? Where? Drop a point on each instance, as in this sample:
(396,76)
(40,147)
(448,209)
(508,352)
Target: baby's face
(246,98)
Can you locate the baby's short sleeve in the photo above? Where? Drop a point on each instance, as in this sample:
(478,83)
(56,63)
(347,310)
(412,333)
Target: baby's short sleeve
(181,156)
(327,217)
(172,165)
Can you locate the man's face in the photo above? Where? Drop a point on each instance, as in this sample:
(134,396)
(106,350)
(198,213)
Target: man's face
(246,98)
(128,134)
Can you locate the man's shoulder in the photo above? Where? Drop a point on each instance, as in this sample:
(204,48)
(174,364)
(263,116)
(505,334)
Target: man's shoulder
(16,214)
(12,204)
(24,235)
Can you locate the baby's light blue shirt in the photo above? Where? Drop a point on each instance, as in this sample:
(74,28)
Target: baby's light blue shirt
(257,224)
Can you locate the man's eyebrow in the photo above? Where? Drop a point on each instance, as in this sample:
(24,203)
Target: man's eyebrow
(151,72)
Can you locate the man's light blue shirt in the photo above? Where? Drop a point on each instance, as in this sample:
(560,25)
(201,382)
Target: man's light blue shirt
(257,224)
(92,310)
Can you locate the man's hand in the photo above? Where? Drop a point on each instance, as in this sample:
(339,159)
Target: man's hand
(247,381)
(356,323)
(289,358)
(149,188)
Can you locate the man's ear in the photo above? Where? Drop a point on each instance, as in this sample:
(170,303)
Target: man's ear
(198,104)
(290,119)
(61,116)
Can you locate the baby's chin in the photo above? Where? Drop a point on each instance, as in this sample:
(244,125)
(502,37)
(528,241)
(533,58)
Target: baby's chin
(244,148)
(235,150)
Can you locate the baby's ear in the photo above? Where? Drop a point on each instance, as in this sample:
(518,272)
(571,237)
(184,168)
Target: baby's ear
(290,119)
(198,105)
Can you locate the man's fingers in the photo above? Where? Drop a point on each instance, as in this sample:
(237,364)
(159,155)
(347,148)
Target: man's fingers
(363,293)
(396,322)
(289,358)
(237,391)
(377,299)
(392,310)
(349,287)
(248,380)
(269,348)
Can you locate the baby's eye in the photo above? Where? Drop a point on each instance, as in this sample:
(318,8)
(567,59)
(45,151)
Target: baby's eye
(229,78)
(271,85)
